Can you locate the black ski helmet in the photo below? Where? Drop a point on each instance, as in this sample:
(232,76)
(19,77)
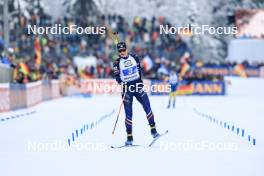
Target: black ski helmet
(121,46)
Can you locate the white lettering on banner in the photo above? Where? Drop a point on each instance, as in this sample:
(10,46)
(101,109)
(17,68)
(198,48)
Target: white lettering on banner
(30,96)
(34,93)
(55,89)
(262,71)
(5,98)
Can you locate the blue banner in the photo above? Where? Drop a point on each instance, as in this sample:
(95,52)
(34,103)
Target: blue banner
(195,88)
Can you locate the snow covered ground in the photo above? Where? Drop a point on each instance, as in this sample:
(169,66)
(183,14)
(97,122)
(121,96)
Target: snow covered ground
(37,143)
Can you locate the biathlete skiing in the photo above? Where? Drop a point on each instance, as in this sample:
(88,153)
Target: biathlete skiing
(173,81)
(127,71)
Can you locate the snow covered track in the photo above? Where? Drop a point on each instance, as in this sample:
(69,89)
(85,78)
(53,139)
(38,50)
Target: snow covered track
(88,126)
(193,146)
(226,125)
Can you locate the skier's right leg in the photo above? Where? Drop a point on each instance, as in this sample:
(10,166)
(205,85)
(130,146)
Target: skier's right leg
(128,101)
(174,99)
(174,94)
(142,97)
(169,101)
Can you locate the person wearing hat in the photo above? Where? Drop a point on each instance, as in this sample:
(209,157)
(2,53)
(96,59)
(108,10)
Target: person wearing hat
(127,71)
(173,81)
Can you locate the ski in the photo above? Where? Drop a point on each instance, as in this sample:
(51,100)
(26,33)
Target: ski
(124,146)
(155,139)
(135,145)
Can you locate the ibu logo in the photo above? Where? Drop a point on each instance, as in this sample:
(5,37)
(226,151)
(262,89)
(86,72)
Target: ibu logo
(127,63)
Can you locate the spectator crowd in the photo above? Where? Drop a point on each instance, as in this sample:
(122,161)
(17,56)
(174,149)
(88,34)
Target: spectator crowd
(159,53)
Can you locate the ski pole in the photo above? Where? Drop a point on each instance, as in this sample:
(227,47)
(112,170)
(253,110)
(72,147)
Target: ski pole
(119,113)
(116,39)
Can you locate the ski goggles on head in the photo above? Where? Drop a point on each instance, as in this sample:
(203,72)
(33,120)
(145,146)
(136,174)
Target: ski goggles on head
(121,50)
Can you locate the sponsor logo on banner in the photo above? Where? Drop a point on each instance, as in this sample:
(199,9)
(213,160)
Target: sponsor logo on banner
(225,71)
(208,88)
(262,71)
(195,88)
(5,97)
(253,72)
